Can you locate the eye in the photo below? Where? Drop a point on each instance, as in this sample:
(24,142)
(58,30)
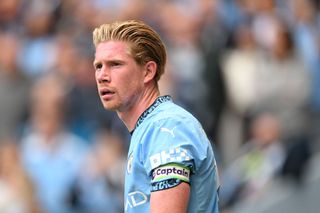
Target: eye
(98,66)
(115,64)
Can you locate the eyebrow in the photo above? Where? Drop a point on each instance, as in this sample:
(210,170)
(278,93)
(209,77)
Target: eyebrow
(119,61)
(110,62)
(95,63)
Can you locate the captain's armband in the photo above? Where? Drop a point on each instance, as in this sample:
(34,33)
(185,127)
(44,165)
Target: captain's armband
(169,176)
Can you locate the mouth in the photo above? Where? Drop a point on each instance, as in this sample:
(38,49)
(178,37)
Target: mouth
(106,93)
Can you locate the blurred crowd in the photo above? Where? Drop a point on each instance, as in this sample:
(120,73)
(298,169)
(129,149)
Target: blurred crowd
(248,70)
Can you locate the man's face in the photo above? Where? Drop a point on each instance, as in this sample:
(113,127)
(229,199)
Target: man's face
(119,78)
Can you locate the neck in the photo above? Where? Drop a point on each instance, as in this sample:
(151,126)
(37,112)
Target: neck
(131,116)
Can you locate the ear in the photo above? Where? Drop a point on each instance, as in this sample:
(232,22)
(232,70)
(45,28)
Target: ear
(150,71)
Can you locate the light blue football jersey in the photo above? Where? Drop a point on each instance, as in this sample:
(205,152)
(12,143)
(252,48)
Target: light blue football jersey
(166,133)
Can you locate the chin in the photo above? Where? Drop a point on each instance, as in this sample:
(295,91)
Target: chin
(110,106)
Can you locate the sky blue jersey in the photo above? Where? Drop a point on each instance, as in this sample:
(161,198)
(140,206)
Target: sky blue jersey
(167,134)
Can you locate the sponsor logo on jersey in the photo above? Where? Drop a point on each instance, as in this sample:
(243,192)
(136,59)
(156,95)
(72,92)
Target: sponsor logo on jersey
(135,199)
(170,131)
(177,154)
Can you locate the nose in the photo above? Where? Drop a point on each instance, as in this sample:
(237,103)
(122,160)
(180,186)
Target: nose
(102,75)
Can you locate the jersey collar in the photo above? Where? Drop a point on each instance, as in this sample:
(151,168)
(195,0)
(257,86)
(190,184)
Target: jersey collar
(154,105)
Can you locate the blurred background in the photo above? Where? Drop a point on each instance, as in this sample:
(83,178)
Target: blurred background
(248,70)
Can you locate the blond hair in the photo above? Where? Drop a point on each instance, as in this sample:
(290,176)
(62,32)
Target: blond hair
(145,44)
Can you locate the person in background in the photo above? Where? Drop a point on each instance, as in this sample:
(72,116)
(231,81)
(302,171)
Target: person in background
(51,154)
(260,159)
(99,187)
(17,192)
(14,88)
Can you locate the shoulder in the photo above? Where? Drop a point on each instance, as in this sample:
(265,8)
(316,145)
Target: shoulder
(170,124)
(171,113)
(173,135)
(166,115)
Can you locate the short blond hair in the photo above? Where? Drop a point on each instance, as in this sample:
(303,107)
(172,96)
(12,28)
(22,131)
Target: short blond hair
(145,43)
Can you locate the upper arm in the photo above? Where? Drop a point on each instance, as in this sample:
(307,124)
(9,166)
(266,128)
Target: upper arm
(173,200)
(170,161)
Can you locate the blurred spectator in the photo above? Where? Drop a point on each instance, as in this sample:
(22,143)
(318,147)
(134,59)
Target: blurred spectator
(66,64)
(14,88)
(284,86)
(306,28)
(38,52)
(99,187)
(306,31)
(239,68)
(260,159)
(51,154)
(265,23)
(275,80)
(10,15)
(17,193)
(213,37)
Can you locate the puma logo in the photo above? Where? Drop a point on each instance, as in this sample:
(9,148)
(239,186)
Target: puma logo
(164,129)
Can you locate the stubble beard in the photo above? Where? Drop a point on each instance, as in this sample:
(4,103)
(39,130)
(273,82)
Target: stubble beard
(110,105)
